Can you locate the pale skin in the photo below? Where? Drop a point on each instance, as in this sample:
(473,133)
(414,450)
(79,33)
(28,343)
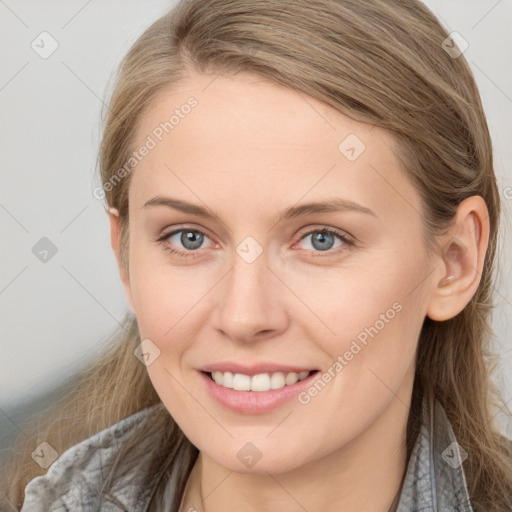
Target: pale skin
(249,150)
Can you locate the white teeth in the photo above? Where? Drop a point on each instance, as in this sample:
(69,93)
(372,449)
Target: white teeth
(277,380)
(241,382)
(259,382)
(291,378)
(228,380)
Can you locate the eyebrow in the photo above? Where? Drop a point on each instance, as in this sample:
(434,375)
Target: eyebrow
(327,206)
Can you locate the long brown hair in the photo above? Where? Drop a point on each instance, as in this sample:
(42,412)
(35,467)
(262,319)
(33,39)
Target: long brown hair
(379,62)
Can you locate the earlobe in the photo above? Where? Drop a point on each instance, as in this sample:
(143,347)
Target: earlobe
(460,261)
(115,240)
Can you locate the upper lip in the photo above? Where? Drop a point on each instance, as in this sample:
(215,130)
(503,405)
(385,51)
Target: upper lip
(253,369)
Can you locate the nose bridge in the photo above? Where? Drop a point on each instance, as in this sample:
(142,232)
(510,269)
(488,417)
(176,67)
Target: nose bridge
(247,290)
(250,301)
(249,272)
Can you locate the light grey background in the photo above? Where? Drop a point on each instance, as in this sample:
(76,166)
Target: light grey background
(57,313)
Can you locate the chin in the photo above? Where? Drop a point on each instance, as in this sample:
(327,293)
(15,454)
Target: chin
(262,466)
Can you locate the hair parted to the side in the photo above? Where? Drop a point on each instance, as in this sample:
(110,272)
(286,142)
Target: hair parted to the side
(379,62)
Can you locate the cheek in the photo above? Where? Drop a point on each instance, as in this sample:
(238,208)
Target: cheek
(350,302)
(370,322)
(165,296)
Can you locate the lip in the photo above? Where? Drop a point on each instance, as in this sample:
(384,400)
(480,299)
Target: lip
(254,402)
(253,369)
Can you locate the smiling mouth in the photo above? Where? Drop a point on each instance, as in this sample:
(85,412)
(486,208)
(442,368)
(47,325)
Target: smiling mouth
(260,382)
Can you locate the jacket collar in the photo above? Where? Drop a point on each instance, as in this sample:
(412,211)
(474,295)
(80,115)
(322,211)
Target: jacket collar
(435,479)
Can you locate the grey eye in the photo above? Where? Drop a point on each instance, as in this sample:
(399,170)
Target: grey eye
(189,238)
(322,240)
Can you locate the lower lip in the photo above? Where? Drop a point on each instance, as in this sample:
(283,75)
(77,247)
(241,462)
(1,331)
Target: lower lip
(255,402)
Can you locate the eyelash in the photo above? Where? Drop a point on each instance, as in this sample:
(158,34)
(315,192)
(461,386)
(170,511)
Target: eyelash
(324,230)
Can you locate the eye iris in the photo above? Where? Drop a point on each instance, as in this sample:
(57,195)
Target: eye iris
(191,236)
(321,240)
(320,237)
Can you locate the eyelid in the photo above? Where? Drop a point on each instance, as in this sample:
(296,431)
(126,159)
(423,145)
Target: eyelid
(323,228)
(346,238)
(166,234)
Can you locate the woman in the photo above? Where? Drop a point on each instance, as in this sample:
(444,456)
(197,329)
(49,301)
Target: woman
(304,213)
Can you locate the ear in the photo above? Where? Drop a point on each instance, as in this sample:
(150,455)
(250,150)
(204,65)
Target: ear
(115,240)
(461,261)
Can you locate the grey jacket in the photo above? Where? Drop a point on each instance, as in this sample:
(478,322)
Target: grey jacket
(434,479)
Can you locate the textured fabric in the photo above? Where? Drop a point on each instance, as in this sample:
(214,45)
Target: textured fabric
(434,480)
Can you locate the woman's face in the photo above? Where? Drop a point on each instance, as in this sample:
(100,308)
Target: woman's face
(263,290)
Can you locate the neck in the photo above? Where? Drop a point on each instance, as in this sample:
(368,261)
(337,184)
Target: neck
(365,474)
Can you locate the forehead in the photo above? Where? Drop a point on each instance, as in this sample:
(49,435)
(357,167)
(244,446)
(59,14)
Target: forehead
(245,135)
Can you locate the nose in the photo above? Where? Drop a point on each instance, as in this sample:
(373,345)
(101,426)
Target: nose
(252,303)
